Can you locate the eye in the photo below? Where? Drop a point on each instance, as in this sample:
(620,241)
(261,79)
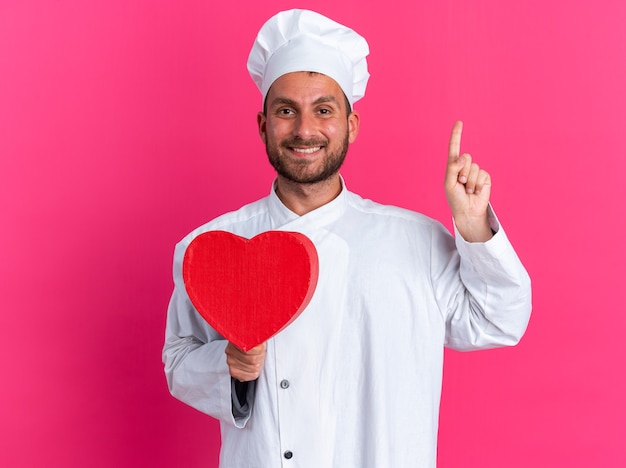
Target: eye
(285,111)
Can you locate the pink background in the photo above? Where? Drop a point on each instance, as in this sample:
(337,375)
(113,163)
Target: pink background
(125,124)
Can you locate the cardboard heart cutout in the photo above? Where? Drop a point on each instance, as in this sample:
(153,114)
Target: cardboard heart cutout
(249,290)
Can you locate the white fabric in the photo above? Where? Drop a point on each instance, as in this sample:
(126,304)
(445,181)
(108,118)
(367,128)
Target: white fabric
(364,360)
(302,40)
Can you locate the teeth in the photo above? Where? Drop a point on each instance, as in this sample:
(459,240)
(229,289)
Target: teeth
(307,150)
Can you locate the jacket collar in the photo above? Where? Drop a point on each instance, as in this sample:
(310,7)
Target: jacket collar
(282,218)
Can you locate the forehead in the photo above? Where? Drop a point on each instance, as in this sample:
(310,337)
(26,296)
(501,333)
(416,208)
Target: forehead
(304,87)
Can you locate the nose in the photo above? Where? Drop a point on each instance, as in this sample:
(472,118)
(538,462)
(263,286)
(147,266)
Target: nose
(304,125)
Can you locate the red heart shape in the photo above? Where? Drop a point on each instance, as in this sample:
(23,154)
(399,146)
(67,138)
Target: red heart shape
(249,290)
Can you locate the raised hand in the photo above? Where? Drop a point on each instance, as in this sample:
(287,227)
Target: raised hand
(467,188)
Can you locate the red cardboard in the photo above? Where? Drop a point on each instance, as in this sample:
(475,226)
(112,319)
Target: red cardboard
(249,290)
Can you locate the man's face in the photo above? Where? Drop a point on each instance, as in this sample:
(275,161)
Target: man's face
(306,128)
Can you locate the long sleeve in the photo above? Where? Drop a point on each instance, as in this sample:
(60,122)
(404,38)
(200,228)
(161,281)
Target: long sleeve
(491,304)
(195,363)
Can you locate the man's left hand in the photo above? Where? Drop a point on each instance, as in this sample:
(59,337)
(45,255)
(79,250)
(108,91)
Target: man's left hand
(467,188)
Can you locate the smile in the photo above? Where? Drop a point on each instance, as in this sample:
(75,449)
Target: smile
(307,150)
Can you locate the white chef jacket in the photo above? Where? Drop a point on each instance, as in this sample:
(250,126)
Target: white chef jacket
(355,380)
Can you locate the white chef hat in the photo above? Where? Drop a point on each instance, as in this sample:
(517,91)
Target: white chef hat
(302,40)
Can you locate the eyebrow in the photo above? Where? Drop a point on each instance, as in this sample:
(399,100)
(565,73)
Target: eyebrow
(290,102)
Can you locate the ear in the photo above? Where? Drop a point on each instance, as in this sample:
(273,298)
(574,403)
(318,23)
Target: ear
(354,120)
(261,121)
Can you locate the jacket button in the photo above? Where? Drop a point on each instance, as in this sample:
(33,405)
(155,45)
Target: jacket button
(288,454)
(284,383)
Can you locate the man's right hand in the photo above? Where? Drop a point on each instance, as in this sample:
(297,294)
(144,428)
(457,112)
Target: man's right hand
(245,366)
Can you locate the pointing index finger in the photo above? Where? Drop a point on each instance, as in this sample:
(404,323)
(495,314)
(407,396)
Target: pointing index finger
(454,149)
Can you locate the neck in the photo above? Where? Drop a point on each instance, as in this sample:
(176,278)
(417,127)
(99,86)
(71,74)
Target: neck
(303,198)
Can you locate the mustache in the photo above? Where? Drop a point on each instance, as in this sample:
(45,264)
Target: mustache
(297,141)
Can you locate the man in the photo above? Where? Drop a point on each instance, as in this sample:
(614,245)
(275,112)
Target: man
(355,380)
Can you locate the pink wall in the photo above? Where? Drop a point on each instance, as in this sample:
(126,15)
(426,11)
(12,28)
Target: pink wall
(125,124)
